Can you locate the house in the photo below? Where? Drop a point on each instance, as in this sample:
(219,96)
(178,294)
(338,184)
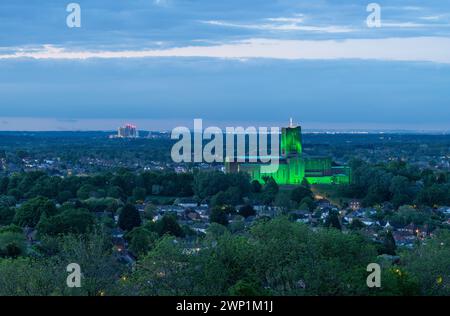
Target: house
(371,232)
(305,220)
(444,210)
(127,258)
(268,211)
(324,203)
(358,214)
(192,215)
(200,227)
(367,211)
(171,209)
(120,245)
(156,218)
(349,218)
(404,239)
(250,219)
(186,203)
(324,215)
(300,213)
(387,206)
(355,205)
(117,233)
(411,229)
(140,208)
(369,222)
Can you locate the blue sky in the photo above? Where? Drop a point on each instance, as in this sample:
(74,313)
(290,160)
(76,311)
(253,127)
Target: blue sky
(161,63)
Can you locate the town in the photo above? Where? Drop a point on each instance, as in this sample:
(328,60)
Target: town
(147,204)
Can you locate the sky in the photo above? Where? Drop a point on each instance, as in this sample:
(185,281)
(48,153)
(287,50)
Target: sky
(163,63)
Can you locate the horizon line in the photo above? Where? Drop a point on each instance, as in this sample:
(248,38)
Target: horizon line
(48,124)
(304,131)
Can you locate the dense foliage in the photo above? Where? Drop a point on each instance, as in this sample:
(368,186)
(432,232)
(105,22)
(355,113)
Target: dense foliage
(399,183)
(276,257)
(47,222)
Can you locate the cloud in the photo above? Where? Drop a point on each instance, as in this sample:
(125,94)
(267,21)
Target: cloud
(431,18)
(411,8)
(160,3)
(403,8)
(428,49)
(404,24)
(282,24)
(298,18)
(412,25)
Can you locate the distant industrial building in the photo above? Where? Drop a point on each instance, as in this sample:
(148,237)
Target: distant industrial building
(127,131)
(294,166)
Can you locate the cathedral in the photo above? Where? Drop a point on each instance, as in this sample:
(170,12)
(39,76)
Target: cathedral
(294,166)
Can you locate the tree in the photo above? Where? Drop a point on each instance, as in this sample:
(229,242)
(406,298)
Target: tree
(6,215)
(139,194)
(215,230)
(71,221)
(283,200)
(30,212)
(15,193)
(12,244)
(165,270)
(435,194)
(429,263)
(7,200)
(86,191)
(129,218)
(270,191)
(141,240)
(168,225)
(219,215)
(102,204)
(150,211)
(228,267)
(388,247)
(247,211)
(356,224)
(114,192)
(64,196)
(299,193)
(246,288)
(401,191)
(4,181)
(407,215)
(256,187)
(333,220)
(307,203)
(207,184)
(237,226)
(219,199)
(93,252)
(296,260)
(396,281)
(26,276)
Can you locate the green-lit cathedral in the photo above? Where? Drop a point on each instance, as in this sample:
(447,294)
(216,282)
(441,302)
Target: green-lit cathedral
(294,166)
